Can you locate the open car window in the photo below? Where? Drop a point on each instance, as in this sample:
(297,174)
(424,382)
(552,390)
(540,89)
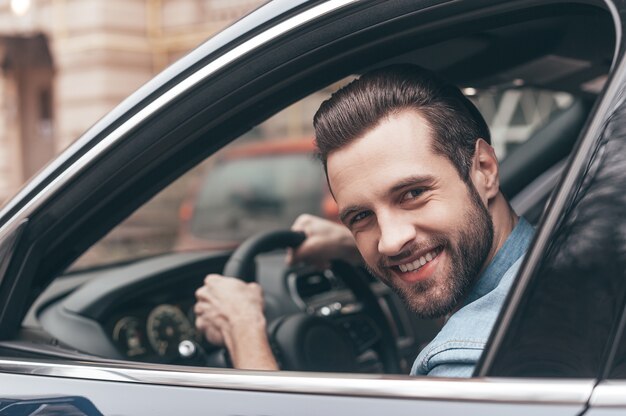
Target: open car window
(269,176)
(261,182)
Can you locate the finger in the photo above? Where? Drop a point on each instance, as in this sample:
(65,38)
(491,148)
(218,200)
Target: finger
(306,251)
(298,256)
(199,323)
(199,308)
(200,293)
(202,322)
(300,224)
(214,336)
(212,277)
(204,293)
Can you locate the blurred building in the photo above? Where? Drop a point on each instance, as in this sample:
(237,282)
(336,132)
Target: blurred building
(66,63)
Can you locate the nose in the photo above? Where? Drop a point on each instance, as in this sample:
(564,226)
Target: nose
(395,233)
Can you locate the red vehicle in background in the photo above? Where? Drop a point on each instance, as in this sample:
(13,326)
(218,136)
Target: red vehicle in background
(254,187)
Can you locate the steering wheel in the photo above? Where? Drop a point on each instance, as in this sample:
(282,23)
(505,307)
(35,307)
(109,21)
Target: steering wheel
(307,342)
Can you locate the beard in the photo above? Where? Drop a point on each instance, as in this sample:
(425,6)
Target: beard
(467,253)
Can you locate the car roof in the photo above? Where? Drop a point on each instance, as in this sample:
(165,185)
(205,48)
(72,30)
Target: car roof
(565,48)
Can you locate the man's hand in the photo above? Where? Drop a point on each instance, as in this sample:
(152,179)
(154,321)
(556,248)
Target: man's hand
(230,313)
(326,240)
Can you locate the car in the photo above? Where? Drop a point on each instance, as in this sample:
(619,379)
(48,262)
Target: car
(109,327)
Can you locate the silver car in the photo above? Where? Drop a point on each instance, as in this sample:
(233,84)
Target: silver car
(95,300)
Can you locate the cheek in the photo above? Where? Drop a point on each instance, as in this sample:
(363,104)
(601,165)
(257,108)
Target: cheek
(442,216)
(367,244)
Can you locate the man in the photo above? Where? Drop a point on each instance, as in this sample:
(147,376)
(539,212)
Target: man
(408,160)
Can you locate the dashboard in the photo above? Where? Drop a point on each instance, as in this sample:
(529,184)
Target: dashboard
(141,311)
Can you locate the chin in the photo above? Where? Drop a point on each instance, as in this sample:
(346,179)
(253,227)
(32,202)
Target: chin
(425,301)
(429,309)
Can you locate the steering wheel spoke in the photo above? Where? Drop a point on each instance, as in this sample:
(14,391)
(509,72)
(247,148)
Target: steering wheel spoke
(362,330)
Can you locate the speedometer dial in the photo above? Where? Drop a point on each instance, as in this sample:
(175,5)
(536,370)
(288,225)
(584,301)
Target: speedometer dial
(167,326)
(127,333)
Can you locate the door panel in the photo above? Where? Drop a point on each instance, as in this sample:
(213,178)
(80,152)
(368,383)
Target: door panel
(608,399)
(152,389)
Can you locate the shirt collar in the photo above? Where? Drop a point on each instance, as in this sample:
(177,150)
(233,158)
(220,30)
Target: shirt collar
(513,248)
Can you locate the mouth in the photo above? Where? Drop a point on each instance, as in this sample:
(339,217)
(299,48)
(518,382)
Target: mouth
(420,268)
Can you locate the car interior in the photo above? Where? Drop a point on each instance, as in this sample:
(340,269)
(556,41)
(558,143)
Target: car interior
(341,319)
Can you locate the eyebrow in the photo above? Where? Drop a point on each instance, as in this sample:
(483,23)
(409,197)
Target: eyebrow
(421,180)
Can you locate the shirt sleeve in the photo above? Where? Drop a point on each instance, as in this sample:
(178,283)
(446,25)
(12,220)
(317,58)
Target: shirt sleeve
(452,370)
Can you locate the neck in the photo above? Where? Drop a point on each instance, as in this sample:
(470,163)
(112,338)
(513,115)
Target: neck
(504,220)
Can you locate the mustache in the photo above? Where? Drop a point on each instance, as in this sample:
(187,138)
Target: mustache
(409,251)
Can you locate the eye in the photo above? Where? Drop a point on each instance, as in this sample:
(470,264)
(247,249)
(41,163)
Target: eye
(412,194)
(359,217)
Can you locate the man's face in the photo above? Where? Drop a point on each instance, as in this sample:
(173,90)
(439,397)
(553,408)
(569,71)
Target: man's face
(421,229)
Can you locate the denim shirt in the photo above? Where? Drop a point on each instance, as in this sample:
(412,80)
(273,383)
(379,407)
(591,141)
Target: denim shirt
(455,351)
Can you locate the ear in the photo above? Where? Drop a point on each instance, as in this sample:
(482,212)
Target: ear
(484,172)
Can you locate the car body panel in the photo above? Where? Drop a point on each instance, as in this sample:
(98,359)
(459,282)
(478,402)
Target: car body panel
(608,399)
(23,405)
(166,392)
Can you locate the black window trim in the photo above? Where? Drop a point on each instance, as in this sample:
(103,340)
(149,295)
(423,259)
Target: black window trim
(572,175)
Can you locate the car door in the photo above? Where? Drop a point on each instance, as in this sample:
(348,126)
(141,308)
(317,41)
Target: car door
(578,282)
(212,96)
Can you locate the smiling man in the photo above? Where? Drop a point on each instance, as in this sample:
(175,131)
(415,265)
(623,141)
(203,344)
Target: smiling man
(409,162)
(423,231)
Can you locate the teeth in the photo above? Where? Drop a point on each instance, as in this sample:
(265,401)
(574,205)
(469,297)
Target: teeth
(417,263)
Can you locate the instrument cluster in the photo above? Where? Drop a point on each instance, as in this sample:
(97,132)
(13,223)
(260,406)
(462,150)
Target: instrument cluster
(153,333)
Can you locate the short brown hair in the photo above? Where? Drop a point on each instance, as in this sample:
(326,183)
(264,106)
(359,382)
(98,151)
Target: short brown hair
(360,106)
